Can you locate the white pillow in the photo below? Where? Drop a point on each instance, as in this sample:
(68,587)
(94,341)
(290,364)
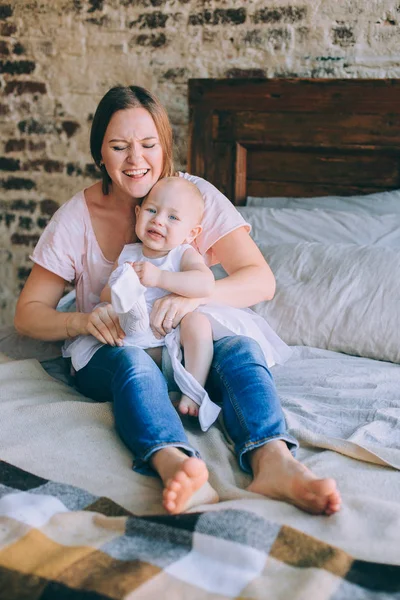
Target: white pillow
(290,225)
(339,297)
(379,203)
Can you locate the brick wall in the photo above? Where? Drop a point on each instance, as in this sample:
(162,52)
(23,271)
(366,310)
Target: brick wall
(58,57)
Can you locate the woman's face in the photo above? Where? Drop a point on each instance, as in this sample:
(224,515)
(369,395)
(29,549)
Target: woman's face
(131,152)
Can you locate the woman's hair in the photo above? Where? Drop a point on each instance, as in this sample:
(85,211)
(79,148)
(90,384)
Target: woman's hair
(121,98)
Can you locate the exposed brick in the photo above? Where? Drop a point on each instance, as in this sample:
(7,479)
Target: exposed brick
(17,183)
(144,3)
(4,109)
(9,218)
(33,126)
(6,11)
(25,87)
(88,170)
(70,127)
(343,36)
(231,16)
(151,20)
(92,171)
(48,207)
(289,14)
(9,164)
(25,239)
(24,205)
(176,74)
(23,273)
(153,40)
(245,73)
(73,169)
(254,38)
(50,166)
(18,49)
(7,29)
(15,145)
(95,5)
(41,222)
(322,72)
(25,223)
(17,67)
(4,49)
(101,21)
(36,146)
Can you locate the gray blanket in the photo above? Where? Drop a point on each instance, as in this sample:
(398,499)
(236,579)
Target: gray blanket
(344,410)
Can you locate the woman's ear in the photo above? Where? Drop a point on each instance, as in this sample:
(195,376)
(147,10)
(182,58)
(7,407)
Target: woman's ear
(193,234)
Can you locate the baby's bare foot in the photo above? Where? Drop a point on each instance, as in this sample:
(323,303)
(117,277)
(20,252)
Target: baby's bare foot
(284,478)
(188,487)
(187,406)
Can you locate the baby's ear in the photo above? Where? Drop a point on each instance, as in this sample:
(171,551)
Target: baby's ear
(193,234)
(137,210)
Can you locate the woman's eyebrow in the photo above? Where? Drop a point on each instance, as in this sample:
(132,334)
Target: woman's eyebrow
(145,139)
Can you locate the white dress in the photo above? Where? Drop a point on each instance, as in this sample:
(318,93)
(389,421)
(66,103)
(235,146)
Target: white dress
(225,321)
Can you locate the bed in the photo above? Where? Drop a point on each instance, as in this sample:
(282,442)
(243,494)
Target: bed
(314,166)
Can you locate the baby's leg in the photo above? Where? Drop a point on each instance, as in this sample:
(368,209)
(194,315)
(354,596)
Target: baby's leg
(197,342)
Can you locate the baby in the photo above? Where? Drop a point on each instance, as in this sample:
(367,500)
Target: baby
(167,222)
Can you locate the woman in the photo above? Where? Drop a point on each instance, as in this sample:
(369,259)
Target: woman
(131,142)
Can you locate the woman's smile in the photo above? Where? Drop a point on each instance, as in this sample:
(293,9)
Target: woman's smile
(136,173)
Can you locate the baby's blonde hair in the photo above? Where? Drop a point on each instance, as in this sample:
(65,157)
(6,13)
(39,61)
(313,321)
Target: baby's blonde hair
(187,187)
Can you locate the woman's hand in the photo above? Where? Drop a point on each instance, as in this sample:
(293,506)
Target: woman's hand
(168,312)
(102,323)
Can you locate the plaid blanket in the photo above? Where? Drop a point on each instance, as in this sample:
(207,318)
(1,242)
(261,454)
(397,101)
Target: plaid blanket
(61,542)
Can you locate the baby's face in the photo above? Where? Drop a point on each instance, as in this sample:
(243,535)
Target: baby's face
(167,218)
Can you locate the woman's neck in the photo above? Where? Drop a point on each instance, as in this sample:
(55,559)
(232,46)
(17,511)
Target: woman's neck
(120,198)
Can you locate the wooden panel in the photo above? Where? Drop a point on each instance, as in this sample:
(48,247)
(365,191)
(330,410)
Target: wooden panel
(323,166)
(294,128)
(263,189)
(224,157)
(302,137)
(240,183)
(299,95)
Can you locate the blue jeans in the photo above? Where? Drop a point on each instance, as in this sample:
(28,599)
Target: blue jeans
(239,381)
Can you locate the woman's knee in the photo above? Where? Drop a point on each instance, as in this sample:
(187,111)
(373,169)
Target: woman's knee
(136,374)
(135,362)
(242,349)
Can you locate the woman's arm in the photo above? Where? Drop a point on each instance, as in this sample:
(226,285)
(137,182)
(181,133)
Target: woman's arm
(250,279)
(36,315)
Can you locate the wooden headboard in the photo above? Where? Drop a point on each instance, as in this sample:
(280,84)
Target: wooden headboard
(295,137)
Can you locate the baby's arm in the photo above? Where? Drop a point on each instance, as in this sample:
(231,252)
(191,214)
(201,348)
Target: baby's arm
(194,280)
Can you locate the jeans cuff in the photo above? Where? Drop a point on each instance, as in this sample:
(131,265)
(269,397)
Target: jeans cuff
(141,464)
(291,443)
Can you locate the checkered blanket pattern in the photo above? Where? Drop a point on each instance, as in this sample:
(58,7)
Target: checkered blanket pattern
(60,542)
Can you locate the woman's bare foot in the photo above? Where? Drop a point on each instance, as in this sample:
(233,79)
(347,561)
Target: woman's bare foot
(187,406)
(278,475)
(185,480)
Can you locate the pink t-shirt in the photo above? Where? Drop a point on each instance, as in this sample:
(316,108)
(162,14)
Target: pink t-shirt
(68,246)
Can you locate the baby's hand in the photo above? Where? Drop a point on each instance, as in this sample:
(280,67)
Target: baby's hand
(149,275)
